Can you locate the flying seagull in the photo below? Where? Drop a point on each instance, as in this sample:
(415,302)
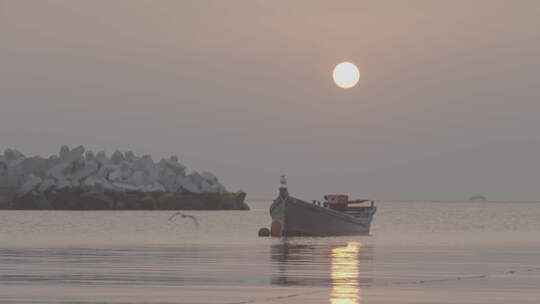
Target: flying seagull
(184,216)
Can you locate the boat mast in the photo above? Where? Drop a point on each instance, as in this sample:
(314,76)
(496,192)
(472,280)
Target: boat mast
(284,196)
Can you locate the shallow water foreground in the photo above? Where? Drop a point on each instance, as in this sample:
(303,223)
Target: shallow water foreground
(420,252)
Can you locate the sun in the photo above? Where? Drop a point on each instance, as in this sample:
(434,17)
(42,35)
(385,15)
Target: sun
(346,75)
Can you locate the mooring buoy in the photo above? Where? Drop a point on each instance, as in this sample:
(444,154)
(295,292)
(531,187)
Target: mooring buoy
(264,232)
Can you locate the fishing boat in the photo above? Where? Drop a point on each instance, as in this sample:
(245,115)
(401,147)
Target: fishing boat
(333,217)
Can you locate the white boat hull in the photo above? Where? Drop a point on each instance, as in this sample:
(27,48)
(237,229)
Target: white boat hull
(295,217)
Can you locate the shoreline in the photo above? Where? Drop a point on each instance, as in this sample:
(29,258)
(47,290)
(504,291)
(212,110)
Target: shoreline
(79,199)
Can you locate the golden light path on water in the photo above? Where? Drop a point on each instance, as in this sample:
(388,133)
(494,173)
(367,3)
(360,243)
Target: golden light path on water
(345,275)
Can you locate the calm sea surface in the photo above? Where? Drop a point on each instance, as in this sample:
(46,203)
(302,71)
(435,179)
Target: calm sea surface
(419,252)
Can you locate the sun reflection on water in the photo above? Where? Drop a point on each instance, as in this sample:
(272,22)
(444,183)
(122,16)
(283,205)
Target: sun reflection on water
(345,286)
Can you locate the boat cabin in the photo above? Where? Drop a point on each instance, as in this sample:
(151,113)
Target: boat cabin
(337,202)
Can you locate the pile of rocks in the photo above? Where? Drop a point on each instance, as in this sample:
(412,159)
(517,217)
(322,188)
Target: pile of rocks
(121,172)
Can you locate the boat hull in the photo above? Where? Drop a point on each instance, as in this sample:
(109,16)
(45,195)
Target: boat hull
(295,217)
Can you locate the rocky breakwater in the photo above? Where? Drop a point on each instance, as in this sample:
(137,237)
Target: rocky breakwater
(76,179)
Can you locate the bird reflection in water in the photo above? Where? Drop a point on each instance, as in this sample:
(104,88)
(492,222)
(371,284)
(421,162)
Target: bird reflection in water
(345,274)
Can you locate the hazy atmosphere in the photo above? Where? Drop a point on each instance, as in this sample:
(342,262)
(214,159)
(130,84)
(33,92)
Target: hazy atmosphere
(447,105)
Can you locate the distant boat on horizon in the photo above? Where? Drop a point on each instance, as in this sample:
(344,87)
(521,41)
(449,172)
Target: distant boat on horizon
(478,198)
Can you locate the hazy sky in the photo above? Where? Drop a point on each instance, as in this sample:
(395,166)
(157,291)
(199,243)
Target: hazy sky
(447,106)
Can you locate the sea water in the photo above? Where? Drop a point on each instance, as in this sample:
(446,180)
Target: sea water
(418,252)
